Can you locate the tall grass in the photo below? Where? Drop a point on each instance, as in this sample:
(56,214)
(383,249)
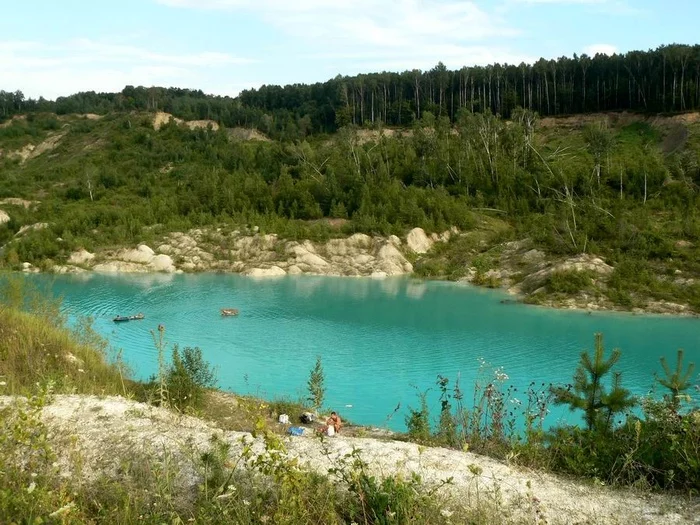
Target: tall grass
(38,347)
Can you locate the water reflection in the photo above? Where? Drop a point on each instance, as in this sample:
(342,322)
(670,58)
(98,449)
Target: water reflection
(377,338)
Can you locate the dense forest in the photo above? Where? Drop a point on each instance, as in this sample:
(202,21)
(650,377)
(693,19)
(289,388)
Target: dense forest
(663,80)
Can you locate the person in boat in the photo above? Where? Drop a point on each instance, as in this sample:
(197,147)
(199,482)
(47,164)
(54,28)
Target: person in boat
(333,421)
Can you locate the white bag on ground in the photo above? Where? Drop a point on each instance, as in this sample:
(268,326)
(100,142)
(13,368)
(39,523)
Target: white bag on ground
(284,419)
(330,432)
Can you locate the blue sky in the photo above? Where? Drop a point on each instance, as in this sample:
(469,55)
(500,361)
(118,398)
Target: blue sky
(55,48)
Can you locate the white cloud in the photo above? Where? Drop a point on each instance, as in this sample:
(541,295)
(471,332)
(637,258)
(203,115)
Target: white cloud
(564,1)
(603,49)
(399,33)
(64,68)
(611,7)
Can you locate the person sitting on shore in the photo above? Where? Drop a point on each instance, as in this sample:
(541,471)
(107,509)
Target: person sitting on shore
(333,421)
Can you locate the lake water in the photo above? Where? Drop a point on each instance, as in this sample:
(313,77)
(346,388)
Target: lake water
(379,339)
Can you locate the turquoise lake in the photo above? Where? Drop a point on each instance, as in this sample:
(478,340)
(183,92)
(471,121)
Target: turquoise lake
(380,340)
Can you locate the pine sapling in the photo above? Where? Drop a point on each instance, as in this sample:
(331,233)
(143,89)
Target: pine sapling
(676,381)
(316,387)
(588,393)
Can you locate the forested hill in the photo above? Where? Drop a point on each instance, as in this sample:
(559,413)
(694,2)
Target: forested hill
(663,80)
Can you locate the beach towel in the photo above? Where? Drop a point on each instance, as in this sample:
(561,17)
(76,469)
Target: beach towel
(295,431)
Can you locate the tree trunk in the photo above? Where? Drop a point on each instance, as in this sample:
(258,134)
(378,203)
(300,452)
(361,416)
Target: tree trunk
(663,102)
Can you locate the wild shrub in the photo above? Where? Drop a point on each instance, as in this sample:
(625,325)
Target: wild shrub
(418,420)
(30,489)
(387,501)
(188,378)
(568,281)
(446,432)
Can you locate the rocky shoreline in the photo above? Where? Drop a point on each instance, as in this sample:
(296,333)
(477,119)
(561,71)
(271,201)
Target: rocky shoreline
(261,255)
(519,268)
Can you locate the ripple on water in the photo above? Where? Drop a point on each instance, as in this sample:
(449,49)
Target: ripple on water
(379,340)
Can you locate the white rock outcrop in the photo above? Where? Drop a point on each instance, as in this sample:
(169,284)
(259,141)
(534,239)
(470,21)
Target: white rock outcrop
(15,201)
(418,241)
(120,267)
(162,263)
(256,254)
(391,261)
(31,227)
(273,271)
(65,269)
(142,254)
(140,260)
(580,263)
(81,256)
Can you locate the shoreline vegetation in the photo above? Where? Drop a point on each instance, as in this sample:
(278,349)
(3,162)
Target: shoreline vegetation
(180,450)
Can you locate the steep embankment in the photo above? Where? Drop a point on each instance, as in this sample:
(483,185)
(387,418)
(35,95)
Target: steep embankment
(109,433)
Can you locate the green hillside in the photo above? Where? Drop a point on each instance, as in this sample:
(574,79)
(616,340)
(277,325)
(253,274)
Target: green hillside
(620,186)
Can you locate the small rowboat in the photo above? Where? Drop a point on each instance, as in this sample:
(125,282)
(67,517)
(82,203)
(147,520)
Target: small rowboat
(229,312)
(125,318)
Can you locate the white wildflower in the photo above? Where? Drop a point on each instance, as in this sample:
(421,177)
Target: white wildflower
(500,375)
(246,502)
(3,383)
(446,513)
(63,510)
(81,370)
(31,487)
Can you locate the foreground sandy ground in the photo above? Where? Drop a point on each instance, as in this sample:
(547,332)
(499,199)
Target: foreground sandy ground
(105,431)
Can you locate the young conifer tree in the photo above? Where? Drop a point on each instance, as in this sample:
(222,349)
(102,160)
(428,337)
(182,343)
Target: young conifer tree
(588,393)
(676,381)
(316,387)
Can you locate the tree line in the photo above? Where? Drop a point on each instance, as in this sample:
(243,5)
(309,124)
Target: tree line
(666,79)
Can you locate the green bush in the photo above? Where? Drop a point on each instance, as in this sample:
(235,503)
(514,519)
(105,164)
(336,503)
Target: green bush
(569,281)
(418,421)
(188,378)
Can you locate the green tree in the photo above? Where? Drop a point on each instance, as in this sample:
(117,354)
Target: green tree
(599,141)
(676,381)
(316,386)
(588,393)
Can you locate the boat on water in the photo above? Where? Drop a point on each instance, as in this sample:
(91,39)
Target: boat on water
(229,312)
(125,318)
